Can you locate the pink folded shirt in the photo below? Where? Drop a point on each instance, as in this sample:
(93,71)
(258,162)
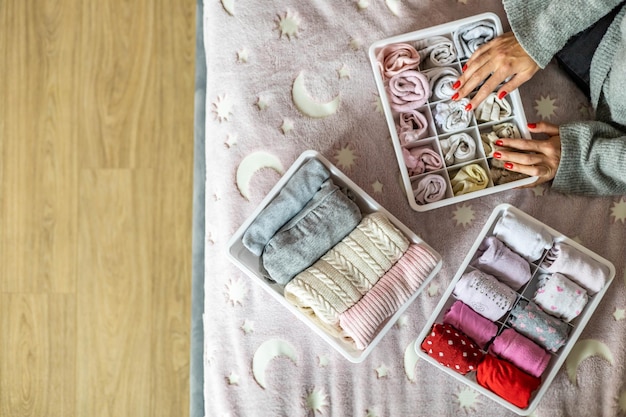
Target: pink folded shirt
(521,352)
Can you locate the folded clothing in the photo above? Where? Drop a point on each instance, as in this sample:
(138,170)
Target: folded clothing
(395,58)
(345,273)
(560,297)
(506,380)
(531,321)
(451,115)
(475,326)
(493,109)
(430,188)
(495,258)
(470,178)
(499,131)
(500,175)
(413,126)
(521,352)
(421,159)
(468,38)
(576,265)
(441,80)
(484,294)
(451,348)
(361,321)
(438,50)
(289,201)
(408,90)
(526,238)
(320,225)
(458,148)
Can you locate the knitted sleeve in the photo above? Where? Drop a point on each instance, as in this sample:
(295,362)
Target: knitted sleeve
(543,27)
(593,159)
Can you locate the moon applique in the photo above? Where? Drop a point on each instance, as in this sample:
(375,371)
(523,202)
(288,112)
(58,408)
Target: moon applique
(229,6)
(251,164)
(269,350)
(582,350)
(410,361)
(307,105)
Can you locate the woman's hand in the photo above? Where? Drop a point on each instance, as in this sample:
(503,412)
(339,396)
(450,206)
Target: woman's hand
(495,61)
(541,158)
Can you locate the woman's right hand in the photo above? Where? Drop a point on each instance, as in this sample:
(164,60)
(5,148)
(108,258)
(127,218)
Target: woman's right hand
(493,63)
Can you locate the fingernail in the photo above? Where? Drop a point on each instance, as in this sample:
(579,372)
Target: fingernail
(468,107)
(497,155)
(464,67)
(456,85)
(508,165)
(455,96)
(499,142)
(502,94)
(532,125)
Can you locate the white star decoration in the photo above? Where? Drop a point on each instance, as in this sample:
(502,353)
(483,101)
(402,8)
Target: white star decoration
(382,371)
(378,105)
(322,361)
(355,44)
(317,400)
(433,290)
(377,186)
(287,126)
(618,211)
(545,107)
(464,215)
(247,326)
(261,103)
(343,72)
(619,314)
(235,291)
(467,399)
(222,108)
(539,190)
(242,56)
(288,24)
(403,321)
(345,157)
(231,140)
(233,379)
(372,412)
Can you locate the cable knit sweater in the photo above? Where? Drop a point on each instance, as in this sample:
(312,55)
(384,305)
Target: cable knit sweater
(593,153)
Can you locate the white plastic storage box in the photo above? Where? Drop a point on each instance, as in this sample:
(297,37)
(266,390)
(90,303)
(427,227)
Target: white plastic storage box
(250,263)
(526,293)
(437,65)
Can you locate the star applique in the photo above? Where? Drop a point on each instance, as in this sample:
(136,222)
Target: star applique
(248,326)
(345,157)
(372,412)
(619,314)
(322,361)
(464,215)
(618,211)
(242,56)
(231,140)
(233,379)
(382,371)
(288,24)
(235,292)
(356,44)
(467,399)
(343,72)
(545,107)
(287,126)
(261,103)
(377,186)
(317,401)
(433,290)
(539,190)
(378,105)
(362,4)
(403,321)
(222,108)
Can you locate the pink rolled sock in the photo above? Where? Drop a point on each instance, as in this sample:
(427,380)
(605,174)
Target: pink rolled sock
(408,90)
(420,160)
(413,126)
(361,321)
(521,352)
(475,326)
(395,58)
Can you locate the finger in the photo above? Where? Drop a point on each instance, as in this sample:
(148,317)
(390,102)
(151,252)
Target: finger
(513,83)
(526,145)
(519,158)
(544,127)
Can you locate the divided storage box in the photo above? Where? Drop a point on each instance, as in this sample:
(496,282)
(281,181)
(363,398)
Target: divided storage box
(435,135)
(525,293)
(251,264)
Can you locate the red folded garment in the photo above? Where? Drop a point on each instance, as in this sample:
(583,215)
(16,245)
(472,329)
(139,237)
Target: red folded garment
(452,348)
(506,380)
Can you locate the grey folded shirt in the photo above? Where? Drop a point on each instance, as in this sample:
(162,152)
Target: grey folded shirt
(316,229)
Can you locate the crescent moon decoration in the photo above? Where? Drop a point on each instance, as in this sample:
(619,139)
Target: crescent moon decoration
(229,6)
(307,105)
(582,350)
(410,361)
(394,6)
(269,350)
(622,402)
(251,164)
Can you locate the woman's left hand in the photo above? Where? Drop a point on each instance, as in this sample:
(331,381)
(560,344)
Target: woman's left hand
(536,157)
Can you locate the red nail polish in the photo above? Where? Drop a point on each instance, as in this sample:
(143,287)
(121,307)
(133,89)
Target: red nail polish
(497,155)
(499,142)
(508,165)
(502,94)
(456,85)
(532,125)
(468,107)
(464,67)
(455,96)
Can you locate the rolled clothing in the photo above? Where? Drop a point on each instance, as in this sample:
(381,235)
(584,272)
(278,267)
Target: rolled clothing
(458,148)
(438,50)
(560,297)
(451,116)
(495,258)
(345,273)
(296,193)
(521,352)
(452,349)
(408,90)
(441,80)
(412,127)
(531,321)
(506,380)
(395,58)
(493,109)
(500,175)
(499,131)
(484,294)
(430,188)
(320,225)
(361,322)
(478,328)
(469,37)
(421,159)
(577,266)
(470,178)
(526,238)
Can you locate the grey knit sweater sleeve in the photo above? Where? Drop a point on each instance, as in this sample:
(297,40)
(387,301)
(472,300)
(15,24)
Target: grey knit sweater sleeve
(543,27)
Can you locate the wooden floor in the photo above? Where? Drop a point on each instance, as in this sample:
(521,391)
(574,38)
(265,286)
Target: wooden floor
(96,122)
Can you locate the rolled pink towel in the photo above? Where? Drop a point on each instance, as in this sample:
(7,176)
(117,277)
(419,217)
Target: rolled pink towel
(429,189)
(408,90)
(521,352)
(395,58)
(421,159)
(361,321)
(413,126)
(475,326)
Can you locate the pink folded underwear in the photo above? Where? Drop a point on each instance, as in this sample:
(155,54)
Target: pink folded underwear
(395,58)
(475,326)
(430,188)
(521,351)
(413,126)
(421,159)
(408,90)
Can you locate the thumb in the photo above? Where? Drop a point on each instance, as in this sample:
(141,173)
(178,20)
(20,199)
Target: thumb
(544,127)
